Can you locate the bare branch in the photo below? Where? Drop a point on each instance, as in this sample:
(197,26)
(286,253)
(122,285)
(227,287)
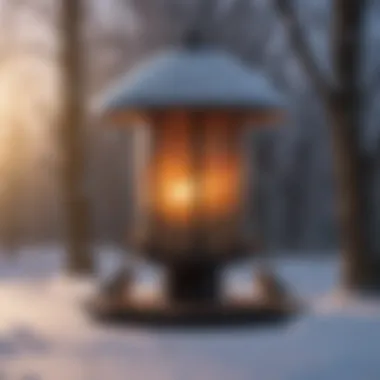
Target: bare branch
(300,46)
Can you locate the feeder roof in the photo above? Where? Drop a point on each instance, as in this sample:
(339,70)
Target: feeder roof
(186,78)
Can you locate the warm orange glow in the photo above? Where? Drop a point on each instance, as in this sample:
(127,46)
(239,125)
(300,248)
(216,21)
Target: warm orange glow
(217,194)
(222,166)
(192,192)
(219,191)
(180,194)
(176,196)
(196,184)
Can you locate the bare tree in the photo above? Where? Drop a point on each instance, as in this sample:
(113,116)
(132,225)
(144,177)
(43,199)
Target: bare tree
(343,102)
(76,208)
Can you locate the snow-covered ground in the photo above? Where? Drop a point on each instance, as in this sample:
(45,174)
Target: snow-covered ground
(44,334)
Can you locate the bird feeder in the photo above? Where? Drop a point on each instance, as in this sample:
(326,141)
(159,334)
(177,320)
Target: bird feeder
(195,104)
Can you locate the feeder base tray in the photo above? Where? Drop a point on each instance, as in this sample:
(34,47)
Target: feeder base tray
(217,315)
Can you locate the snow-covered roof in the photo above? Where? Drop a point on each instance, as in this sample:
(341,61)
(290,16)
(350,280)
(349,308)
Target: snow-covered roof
(192,78)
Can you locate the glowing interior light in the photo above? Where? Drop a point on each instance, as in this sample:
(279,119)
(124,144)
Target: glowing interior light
(181,193)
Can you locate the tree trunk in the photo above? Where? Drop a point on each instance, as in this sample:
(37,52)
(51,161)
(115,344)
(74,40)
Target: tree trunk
(354,169)
(79,258)
(354,173)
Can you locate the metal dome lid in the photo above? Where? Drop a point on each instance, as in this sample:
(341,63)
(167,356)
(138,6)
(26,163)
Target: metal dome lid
(196,77)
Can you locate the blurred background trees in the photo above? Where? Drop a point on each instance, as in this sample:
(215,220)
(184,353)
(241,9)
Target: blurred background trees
(296,194)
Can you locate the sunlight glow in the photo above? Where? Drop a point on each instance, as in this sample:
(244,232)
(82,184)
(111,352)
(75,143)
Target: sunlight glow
(28,101)
(181,193)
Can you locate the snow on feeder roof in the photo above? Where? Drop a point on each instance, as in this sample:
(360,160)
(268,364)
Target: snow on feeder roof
(191,78)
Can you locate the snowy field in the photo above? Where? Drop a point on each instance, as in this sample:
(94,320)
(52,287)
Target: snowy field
(44,334)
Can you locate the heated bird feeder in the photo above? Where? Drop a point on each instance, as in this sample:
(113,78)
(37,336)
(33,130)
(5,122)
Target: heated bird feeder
(194,105)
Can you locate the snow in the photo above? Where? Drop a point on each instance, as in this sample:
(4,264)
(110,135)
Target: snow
(45,335)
